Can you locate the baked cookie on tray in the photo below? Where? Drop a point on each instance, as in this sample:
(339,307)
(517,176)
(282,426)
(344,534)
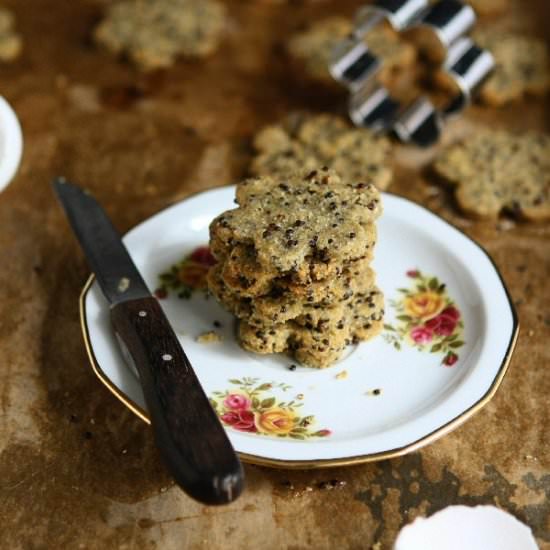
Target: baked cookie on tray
(321,341)
(522,66)
(10,42)
(311,49)
(496,171)
(305,142)
(154,33)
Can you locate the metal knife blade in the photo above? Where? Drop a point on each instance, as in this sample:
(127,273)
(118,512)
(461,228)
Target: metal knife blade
(189,435)
(114,269)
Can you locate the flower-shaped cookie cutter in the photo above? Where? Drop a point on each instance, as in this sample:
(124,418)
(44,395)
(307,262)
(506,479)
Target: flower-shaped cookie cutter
(439,31)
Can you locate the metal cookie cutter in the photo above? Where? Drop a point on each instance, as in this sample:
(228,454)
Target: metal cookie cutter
(465,69)
(353,63)
(440,29)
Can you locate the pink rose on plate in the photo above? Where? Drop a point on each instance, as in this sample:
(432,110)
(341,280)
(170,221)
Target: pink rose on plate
(421,335)
(237,402)
(240,420)
(441,325)
(451,312)
(445,323)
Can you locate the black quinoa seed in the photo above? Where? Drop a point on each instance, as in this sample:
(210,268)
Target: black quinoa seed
(311,175)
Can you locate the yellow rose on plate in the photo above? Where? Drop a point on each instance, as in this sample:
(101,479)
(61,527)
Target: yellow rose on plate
(275,421)
(424,305)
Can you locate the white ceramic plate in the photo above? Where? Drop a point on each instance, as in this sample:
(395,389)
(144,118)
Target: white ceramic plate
(451,329)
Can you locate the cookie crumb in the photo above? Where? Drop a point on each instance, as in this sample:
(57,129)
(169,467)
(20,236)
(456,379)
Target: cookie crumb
(342,375)
(505,225)
(209,337)
(331,484)
(375,392)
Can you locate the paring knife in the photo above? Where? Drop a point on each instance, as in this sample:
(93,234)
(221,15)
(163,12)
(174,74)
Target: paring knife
(189,435)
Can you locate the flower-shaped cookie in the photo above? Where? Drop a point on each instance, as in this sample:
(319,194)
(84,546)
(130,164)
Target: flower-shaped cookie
(154,33)
(522,66)
(304,142)
(497,170)
(318,338)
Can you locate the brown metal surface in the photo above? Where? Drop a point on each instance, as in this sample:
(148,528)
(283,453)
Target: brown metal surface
(78,469)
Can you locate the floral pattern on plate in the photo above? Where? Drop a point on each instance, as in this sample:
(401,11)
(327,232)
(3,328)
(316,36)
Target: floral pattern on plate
(427,318)
(250,407)
(187,275)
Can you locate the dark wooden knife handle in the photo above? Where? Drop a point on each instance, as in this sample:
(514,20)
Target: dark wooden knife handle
(189,435)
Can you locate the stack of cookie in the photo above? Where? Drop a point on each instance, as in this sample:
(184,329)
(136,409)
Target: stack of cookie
(294,264)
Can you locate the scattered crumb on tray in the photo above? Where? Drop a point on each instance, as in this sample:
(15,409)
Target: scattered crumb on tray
(342,375)
(209,337)
(375,392)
